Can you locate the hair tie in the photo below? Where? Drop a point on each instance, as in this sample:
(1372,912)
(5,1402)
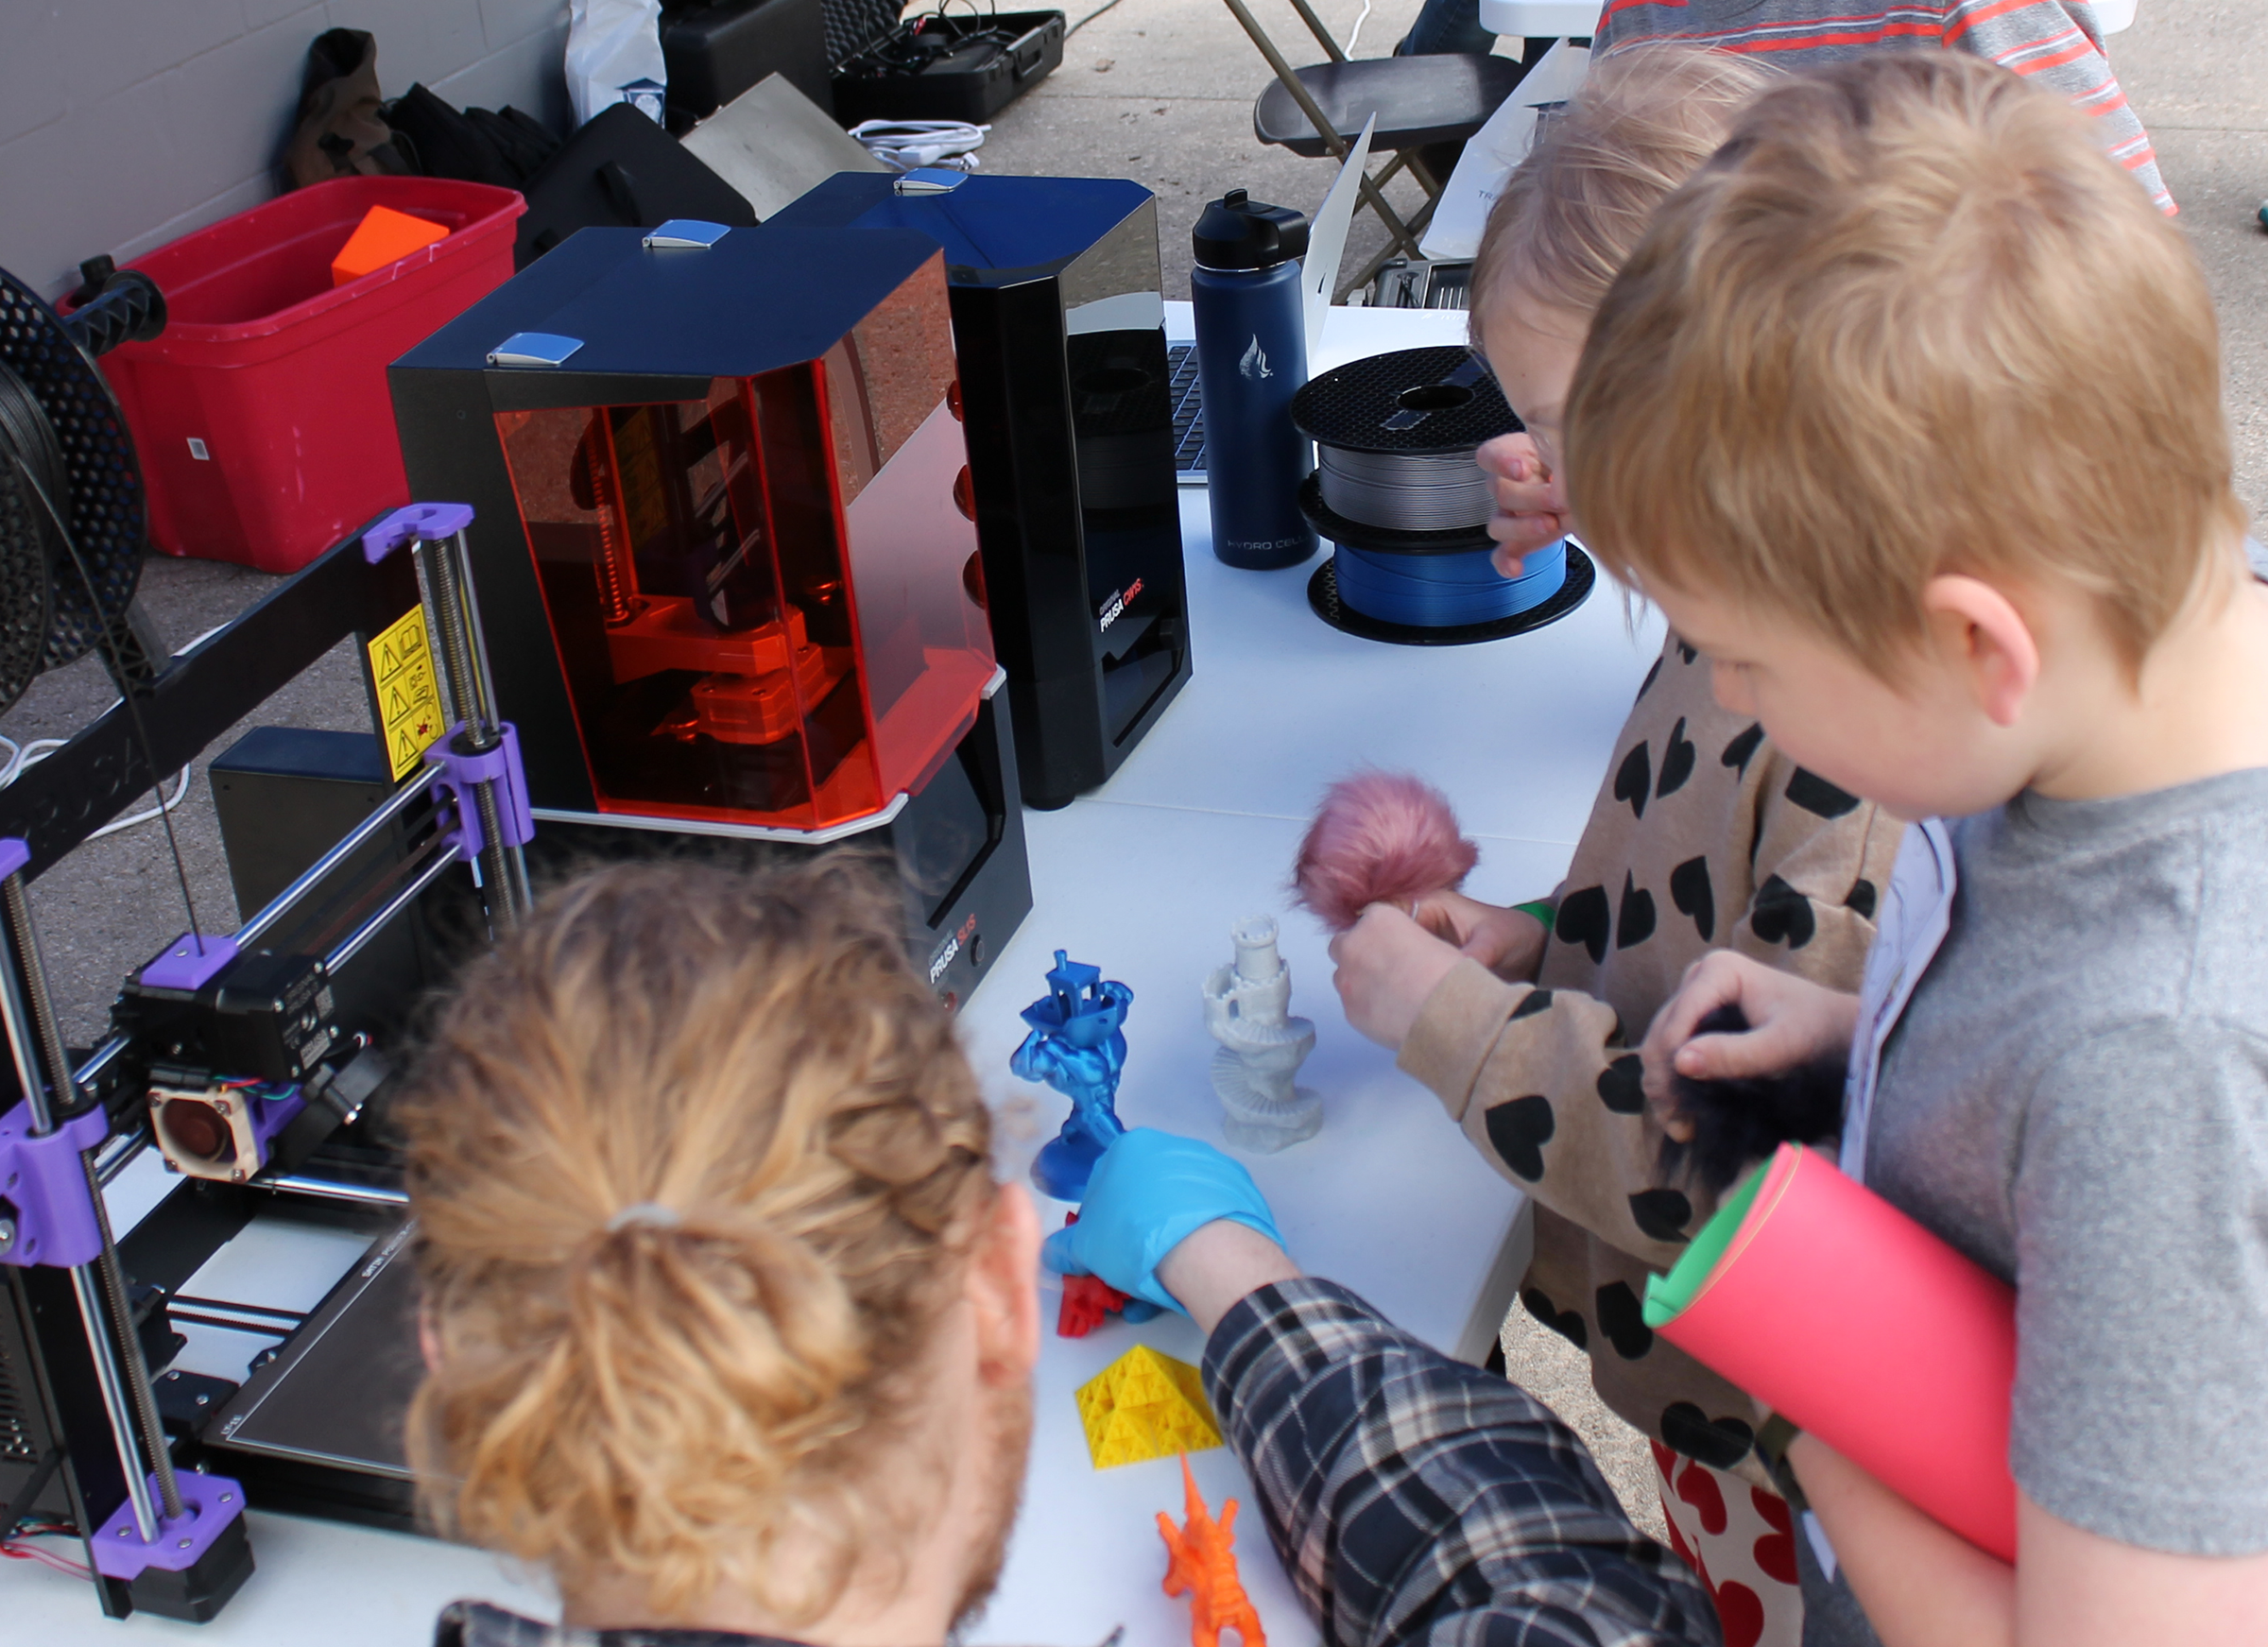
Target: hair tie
(645,1214)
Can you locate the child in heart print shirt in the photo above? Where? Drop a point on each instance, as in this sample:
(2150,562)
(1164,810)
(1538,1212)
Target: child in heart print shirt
(1702,837)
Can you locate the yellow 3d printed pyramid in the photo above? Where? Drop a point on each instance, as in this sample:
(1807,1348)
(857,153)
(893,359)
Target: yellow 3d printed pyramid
(1145,1405)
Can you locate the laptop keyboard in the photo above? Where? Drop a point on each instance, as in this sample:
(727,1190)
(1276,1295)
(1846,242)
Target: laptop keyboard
(1188,414)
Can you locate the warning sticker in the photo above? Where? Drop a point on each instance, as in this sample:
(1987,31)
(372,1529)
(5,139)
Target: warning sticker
(409,706)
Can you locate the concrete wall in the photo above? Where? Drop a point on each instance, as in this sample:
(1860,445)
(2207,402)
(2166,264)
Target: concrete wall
(126,123)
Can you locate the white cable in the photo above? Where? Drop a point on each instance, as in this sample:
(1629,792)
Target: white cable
(165,803)
(23,756)
(1356,32)
(906,145)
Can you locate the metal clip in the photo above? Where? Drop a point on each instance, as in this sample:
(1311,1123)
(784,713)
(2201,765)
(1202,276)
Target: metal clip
(928,181)
(685,233)
(534,349)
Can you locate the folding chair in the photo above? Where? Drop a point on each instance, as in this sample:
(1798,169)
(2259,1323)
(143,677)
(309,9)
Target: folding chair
(1419,100)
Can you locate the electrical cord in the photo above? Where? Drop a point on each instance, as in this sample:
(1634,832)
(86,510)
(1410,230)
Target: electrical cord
(21,758)
(13,1546)
(1109,5)
(904,145)
(1353,34)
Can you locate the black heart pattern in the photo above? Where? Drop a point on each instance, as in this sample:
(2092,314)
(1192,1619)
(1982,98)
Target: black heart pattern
(1634,778)
(1583,917)
(1535,1000)
(1861,897)
(1742,749)
(1621,1085)
(1661,1215)
(1634,924)
(1622,1321)
(1520,1130)
(1783,915)
(1678,758)
(1691,892)
(1816,793)
(1685,653)
(1566,1323)
(1720,1443)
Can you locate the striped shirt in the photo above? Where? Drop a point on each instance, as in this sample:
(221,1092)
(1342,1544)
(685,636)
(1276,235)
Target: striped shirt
(2054,42)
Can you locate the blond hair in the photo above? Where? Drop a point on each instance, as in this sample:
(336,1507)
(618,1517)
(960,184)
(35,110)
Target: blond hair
(695,1159)
(1910,320)
(1641,124)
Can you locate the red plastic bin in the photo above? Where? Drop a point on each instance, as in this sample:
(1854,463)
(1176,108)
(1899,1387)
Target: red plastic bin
(261,414)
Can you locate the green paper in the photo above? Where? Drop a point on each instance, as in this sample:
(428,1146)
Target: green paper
(1668,1296)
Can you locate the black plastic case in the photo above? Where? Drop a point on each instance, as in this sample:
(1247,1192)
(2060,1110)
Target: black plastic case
(621,170)
(716,49)
(895,78)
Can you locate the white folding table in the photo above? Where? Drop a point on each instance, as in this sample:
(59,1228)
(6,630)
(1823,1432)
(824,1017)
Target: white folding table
(1143,879)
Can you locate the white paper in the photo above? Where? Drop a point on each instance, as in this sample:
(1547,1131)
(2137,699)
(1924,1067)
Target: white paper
(1327,238)
(1495,149)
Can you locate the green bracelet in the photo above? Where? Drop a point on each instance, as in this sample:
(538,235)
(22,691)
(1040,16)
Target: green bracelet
(1542,910)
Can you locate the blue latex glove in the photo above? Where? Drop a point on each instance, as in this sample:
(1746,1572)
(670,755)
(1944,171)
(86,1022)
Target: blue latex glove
(1149,1190)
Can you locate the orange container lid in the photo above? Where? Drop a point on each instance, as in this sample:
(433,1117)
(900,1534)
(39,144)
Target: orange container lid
(382,236)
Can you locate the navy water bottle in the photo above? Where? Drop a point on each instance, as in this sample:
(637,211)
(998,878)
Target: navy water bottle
(1251,360)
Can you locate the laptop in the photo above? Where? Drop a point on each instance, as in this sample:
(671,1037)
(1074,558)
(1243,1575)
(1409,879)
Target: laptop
(1318,274)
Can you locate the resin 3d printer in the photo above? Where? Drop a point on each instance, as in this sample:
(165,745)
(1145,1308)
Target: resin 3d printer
(726,547)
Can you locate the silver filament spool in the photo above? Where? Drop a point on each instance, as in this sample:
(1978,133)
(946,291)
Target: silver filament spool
(1406,492)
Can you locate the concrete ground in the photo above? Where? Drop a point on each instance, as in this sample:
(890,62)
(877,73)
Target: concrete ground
(1161,91)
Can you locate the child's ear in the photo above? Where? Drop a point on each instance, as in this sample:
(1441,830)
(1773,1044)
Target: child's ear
(1002,1286)
(1980,631)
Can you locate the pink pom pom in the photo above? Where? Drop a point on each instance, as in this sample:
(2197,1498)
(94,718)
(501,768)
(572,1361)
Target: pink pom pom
(1381,838)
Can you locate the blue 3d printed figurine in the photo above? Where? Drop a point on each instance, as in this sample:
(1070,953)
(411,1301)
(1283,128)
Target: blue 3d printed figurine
(1077,1046)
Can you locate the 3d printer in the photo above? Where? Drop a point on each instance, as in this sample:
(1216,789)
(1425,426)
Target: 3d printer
(1060,321)
(726,548)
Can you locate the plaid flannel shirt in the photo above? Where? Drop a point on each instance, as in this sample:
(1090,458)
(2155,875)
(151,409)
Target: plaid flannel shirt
(1415,1498)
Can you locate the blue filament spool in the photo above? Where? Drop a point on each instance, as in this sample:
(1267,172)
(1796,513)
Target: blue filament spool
(1436,592)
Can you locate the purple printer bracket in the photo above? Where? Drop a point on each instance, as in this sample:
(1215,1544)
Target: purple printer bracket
(42,1179)
(189,962)
(209,1503)
(455,773)
(14,855)
(424,523)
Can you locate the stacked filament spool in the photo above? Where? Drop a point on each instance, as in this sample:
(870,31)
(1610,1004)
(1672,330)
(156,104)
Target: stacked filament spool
(1398,493)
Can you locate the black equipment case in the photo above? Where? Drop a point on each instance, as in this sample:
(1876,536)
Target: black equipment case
(941,66)
(619,170)
(716,49)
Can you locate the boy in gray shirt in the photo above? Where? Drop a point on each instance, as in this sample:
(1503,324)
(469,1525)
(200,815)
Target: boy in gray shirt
(1850,417)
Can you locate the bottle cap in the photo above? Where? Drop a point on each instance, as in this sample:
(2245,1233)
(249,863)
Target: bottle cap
(1237,231)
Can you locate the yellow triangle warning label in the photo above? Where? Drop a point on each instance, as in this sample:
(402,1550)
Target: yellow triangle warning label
(409,704)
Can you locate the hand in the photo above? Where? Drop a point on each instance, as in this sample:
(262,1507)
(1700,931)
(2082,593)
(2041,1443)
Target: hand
(1509,942)
(1149,1192)
(1791,1021)
(1387,964)
(1530,503)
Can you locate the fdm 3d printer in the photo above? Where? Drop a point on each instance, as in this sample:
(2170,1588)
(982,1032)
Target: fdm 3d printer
(717,591)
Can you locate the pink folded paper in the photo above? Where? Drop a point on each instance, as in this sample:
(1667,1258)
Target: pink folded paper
(1823,1300)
